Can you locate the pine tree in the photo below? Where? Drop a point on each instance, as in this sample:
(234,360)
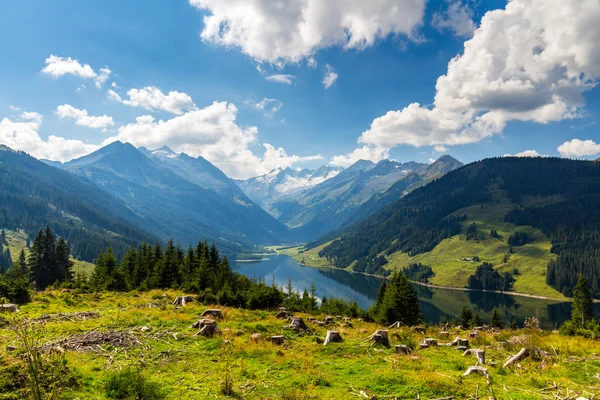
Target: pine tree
(3,237)
(64,267)
(103,277)
(399,302)
(583,308)
(35,260)
(465,317)
(496,321)
(477,320)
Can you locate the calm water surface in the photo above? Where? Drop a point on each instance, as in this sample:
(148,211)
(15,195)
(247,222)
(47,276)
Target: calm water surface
(435,303)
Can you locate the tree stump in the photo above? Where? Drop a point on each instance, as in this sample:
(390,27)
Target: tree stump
(380,337)
(311,319)
(463,344)
(402,349)
(524,352)
(9,308)
(282,314)
(320,323)
(396,324)
(278,339)
(333,336)
(473,334)
(346,319)
(297,324)
(348,324)
(444,334)
(182,300)
(479,370)
(329,320)
(201,322)
(213,312)
(208,327)
(480,354)
(430,342)
(420,329)
(256,338)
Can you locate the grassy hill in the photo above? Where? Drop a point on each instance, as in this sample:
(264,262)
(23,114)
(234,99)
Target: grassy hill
(192,367)
(17,241)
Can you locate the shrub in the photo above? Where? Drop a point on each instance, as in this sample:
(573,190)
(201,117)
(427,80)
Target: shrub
(132,384)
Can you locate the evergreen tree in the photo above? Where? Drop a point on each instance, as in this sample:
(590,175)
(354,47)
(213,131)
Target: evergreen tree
(496,321)
(3,237)
(477,320)
(103,277)
(64,265)
(465,317)
(583,308)
(399,302)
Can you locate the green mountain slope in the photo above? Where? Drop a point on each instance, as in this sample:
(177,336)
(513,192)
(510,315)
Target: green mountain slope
(555,201)
(33,194)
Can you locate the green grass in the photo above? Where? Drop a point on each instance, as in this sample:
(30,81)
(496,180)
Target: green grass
(191,367)
(530,260)
(17,241)
(309,257)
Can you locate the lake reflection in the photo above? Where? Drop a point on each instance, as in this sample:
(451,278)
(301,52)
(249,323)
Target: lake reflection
(435,303)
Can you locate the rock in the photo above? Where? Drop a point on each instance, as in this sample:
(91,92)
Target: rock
(297,324)
(333,336)
(278,339)
(213,312)
(381,337)
(182,300)
(9,308)
(256,338)
(402,349)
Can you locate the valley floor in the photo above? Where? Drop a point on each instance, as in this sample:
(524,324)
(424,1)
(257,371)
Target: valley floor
(194,367)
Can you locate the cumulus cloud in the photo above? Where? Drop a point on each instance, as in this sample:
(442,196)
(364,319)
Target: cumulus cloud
(457,18)
(22,134)
(266,105)
(288,31)
(525,153)
(440,149)
(152,98)
(531,61)
(281,78)
(213,133)
(82,118)
(579,148)
(59,66)
(374,154)
(330,77)
(311,62)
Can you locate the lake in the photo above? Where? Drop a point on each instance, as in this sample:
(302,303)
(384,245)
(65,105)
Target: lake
(435,303)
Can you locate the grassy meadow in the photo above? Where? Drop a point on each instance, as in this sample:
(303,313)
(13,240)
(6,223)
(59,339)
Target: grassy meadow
(185,366)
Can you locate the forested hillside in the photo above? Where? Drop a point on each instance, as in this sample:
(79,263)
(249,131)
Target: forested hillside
(33,195)
(559,197)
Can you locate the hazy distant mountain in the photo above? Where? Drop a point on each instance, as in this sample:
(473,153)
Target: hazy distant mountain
(182,204)
(331,203)
(266,189)
(34,194)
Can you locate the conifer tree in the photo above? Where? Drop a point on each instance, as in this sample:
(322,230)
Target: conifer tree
(583,308)
(465,317)
(496,321)
(399,302)
(64,265)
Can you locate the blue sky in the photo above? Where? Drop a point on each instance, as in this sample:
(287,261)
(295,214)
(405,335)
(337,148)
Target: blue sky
(511,91)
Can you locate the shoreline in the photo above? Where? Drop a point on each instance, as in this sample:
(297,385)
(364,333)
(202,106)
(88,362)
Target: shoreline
(431,285)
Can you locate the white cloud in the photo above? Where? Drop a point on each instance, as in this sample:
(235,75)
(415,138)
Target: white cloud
(579,148)
(212,133)
(457,17)
(281,78)
(22,134)
(525,153)
(114,85)
(531,61)
(330,77)
(151,98)
(374,154)
(440,149)
(291,30)
(82,118)
(268,106)
(60,66)
(311,62)
(13,108)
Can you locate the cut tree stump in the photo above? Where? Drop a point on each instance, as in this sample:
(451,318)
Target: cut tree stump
(209,330)
(402,349)
(420,329)
(396,324)
(278,339)
(182,300)
(473,334)
(478,370)
(380,337)
(256,338)
(297,324)
(213,312)
(9,308)
(333,337)
(282,314)
(480,354)
(444,334)
(430,342)
(329,320)
(320,323)
(524,352)
(311,319)
(201,322)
